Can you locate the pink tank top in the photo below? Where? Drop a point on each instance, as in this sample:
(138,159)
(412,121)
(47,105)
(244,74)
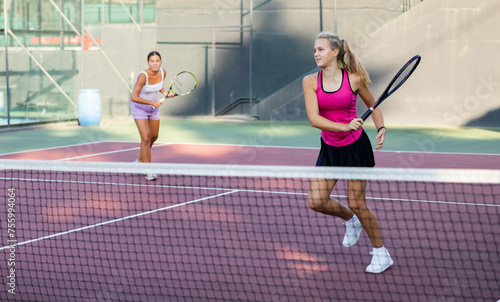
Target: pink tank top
(338,106)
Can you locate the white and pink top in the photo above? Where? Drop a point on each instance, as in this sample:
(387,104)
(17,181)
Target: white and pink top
(340,107)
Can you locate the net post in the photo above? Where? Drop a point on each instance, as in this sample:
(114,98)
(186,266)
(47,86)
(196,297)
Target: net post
(82,38)
(250,58)
(213,72)
(6,36)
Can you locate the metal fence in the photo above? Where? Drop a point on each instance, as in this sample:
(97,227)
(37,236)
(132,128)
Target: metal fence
(42,49)
(242,51)
(246,50)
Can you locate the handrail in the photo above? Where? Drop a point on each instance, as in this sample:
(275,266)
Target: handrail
(233,105)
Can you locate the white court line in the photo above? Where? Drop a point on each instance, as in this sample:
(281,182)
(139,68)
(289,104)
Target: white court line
(96,154)
(228,145)
(246,146)
(440,153)
(50,148)
(118,184)
(169,144)
(118,219)
(436,201)
(246,190)
(230,191)
(317,148)
(84,144)
(108,152)
(239,190)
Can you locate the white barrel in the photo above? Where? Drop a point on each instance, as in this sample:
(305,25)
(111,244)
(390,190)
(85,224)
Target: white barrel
(89,107)
(2,101)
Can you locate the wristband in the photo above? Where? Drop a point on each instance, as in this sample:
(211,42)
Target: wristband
(378,130)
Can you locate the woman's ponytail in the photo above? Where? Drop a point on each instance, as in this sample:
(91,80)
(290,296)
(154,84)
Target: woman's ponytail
(346,58)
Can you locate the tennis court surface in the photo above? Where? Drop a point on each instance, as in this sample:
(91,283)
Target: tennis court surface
(231,223)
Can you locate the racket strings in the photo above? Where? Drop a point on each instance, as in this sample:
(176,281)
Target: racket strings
(403,76)
(183,83)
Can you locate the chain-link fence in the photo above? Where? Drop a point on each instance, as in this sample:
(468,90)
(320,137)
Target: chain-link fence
(42,53)
(242,51)
(250,49)
(39,63)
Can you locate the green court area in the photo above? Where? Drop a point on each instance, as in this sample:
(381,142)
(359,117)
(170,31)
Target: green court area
(240,132)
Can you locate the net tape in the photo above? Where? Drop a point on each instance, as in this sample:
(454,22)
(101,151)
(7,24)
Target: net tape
(392,174)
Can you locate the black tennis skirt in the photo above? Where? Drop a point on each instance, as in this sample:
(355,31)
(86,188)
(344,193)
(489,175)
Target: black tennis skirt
(357,154)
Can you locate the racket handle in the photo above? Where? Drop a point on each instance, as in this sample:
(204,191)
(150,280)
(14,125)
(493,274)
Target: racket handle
(367,114)
(161,101)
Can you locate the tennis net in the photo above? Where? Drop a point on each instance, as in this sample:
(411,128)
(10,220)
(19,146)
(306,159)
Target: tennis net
(90,231)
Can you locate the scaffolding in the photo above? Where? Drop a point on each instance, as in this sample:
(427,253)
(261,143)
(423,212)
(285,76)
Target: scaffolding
(44,45)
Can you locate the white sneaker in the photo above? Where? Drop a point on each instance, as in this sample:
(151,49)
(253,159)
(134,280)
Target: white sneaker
(381,261)
(151,176)
(352,232)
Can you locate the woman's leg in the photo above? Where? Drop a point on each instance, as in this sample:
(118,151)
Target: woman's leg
(320,201)
(356,196)
(145,133)
(154,128)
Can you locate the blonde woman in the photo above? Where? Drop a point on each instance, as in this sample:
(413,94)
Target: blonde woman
(330,99)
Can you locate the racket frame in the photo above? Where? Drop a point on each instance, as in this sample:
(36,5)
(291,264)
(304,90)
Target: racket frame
(181,94)
(388,91)
(172,83)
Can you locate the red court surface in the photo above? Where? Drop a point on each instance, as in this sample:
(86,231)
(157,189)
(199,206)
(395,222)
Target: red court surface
(249,155)
(116,237)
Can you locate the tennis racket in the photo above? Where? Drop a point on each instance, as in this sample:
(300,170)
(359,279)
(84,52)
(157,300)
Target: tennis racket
(403,74)
(182,84)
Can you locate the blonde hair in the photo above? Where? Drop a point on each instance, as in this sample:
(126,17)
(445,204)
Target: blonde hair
(346,58)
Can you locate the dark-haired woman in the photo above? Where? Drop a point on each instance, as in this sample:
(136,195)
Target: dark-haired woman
(145,106)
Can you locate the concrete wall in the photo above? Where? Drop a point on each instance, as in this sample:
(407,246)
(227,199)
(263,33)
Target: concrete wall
(29,86)
(284,32)
(457,82)
(283,36)
(122,45)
